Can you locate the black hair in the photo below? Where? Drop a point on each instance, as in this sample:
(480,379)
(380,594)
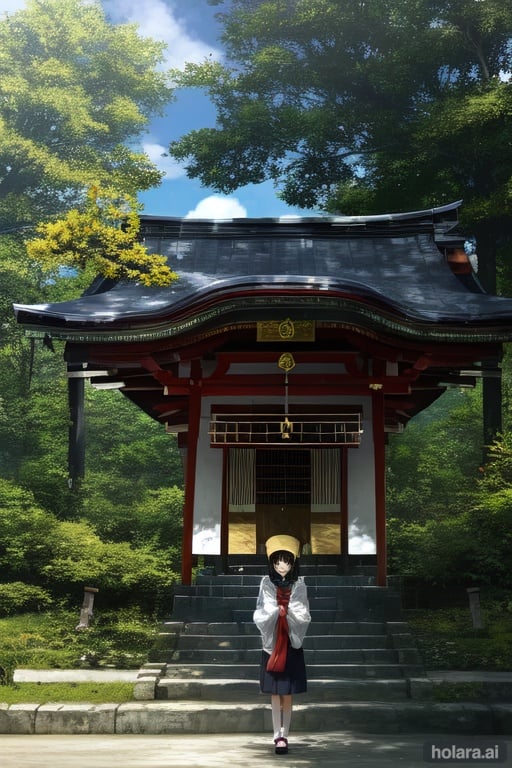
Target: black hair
(287,557)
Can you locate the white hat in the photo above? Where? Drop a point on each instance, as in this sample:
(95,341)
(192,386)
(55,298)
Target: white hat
(283,542)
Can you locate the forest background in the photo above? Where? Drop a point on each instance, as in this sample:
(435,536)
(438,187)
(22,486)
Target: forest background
(66,126)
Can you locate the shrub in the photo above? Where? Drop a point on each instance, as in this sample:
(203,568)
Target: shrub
(17,597)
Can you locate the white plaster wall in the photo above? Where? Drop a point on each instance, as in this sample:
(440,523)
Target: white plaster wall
(361,490)
(208,493)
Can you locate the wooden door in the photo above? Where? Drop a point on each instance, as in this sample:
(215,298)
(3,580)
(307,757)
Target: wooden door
(283,495)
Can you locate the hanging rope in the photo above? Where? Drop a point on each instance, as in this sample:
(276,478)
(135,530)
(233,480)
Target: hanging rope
(286,363)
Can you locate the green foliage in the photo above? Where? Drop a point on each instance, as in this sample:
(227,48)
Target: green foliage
(124,442)
(314,91)
(76,90)
(122,572)
(447,640)
(469,547)
(439,551)
(131,545)
(120,638)
(361,108)
(151,517)
(102,235)
(63,556)
(17,597)
(449,516)
(497,472)
(490,524)
(434,466)
(28,534)
(447,691)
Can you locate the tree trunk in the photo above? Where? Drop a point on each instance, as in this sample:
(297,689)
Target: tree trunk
(491,389)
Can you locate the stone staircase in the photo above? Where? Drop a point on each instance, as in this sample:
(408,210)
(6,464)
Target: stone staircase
(358,650)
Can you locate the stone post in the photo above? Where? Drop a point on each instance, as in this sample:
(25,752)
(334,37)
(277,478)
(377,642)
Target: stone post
(86,610)
(474,606)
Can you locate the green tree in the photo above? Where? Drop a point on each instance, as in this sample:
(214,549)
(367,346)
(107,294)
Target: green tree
(62,556)
(133,575)
(75,93)
(363,107)
(433,468)
(28,534)
(449,517)
(123,440)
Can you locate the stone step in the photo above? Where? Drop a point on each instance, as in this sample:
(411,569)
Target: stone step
(192,608)
(248,603)
(250,671)
(330,616)
(313,657)
(250,591)
(203,717)
(200,672)
(356,631)
(341,628)
(252,581)
(227,602)
(226,689)
(166,717)
(210,642)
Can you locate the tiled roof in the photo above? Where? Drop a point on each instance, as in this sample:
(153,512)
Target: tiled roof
(394,263)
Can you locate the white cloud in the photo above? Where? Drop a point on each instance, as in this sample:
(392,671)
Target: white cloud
(155,19)
(218,207)
(158,155)
(360,543)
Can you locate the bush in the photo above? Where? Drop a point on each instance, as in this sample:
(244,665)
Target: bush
(27,534)
(120,638)
(438,551)
(123,574)
(17,597)
(61,557)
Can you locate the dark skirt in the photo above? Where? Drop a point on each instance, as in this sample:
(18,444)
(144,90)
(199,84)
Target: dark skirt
(291,680)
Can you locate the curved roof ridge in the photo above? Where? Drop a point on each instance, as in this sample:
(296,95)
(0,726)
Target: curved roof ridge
(334,218)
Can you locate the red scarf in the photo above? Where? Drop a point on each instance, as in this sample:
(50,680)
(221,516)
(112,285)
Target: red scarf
(277,661)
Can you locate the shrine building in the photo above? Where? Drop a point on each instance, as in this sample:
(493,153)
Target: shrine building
(282,357)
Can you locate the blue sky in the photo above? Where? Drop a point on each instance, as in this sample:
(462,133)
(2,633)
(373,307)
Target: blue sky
(189,29)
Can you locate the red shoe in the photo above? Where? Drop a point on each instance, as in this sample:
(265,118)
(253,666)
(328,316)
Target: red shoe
(281,745)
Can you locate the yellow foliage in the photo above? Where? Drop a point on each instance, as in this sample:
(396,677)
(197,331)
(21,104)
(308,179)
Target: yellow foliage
(104,235)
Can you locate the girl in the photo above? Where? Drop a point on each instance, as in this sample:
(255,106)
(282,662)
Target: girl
(282,617)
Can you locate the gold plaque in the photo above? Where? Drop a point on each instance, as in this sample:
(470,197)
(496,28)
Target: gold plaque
(286,330)
(286,362)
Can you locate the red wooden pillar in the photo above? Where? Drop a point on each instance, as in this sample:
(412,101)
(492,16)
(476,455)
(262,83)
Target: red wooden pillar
(344,507)
(224,524)
(379,448)
(194,421)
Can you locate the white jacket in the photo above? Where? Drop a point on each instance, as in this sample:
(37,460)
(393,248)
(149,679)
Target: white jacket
(267,611)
